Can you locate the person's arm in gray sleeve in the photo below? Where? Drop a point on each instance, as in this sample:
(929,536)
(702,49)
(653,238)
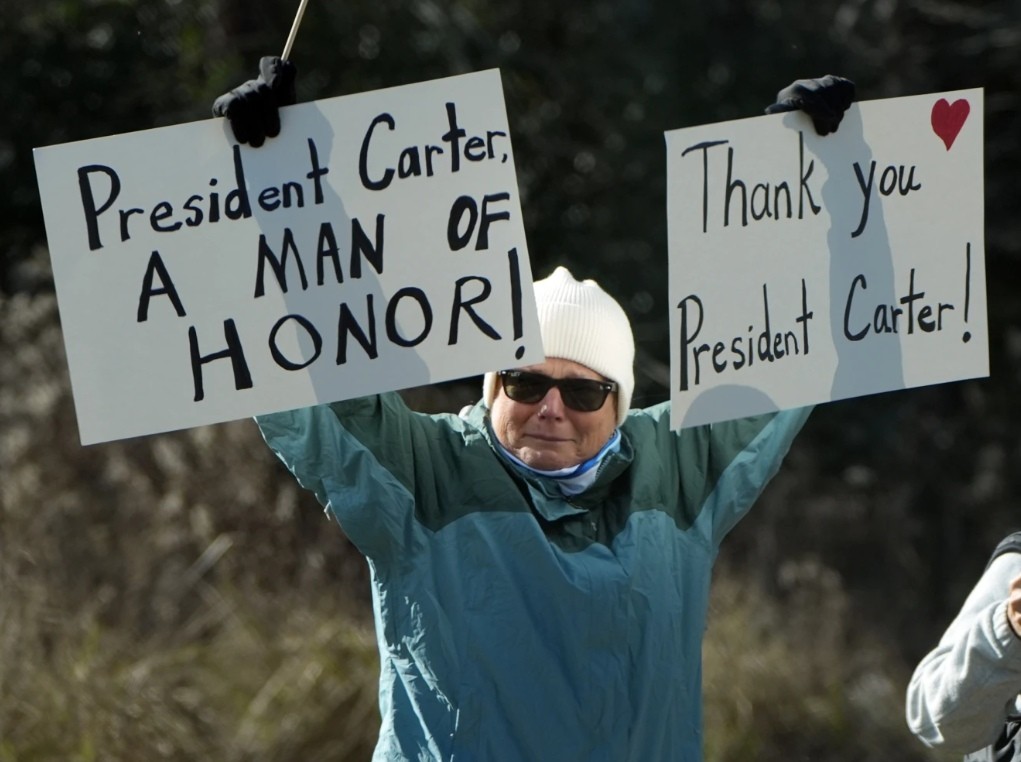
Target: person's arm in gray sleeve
(961,692)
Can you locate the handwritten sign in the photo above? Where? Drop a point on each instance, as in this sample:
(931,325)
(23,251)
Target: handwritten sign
(805,269)
(377,244)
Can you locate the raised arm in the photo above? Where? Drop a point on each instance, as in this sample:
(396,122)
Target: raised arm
(961,692)
(374,464)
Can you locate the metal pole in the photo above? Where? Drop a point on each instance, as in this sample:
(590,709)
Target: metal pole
(294,30)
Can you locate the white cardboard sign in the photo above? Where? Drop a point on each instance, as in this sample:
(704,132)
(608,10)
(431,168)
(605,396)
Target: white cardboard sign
(376,244)
(805,269)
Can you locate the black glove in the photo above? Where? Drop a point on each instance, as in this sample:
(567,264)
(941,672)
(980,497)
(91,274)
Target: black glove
(825,100)
(252,108)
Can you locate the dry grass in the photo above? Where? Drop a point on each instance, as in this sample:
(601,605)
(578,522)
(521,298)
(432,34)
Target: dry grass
(799,677)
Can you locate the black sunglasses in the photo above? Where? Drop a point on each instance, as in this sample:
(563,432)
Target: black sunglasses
(585,395)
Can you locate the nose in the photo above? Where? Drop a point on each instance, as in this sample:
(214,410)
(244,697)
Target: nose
(551,406)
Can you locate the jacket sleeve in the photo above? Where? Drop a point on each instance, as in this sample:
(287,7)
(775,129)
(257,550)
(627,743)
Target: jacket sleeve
(368,461)
(743,456)
(961,692)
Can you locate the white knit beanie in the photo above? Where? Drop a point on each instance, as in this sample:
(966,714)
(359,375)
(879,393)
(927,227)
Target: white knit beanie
(581,322)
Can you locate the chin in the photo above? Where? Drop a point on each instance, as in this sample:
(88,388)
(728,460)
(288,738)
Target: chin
(545,461)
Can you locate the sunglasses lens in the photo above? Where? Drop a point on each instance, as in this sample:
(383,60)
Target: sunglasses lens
(526,387)
(584,396)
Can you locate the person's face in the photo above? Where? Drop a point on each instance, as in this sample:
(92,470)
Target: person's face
(548,435)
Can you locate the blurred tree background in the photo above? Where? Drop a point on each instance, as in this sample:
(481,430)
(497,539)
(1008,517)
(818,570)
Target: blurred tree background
(178,597)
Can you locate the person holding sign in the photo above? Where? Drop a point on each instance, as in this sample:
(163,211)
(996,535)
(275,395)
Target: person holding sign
(964,694)
(540,563)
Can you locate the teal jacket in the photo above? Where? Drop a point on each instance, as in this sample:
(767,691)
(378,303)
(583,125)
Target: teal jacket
(515,624)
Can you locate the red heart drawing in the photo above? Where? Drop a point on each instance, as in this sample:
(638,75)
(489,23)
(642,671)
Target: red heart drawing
(949,118)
